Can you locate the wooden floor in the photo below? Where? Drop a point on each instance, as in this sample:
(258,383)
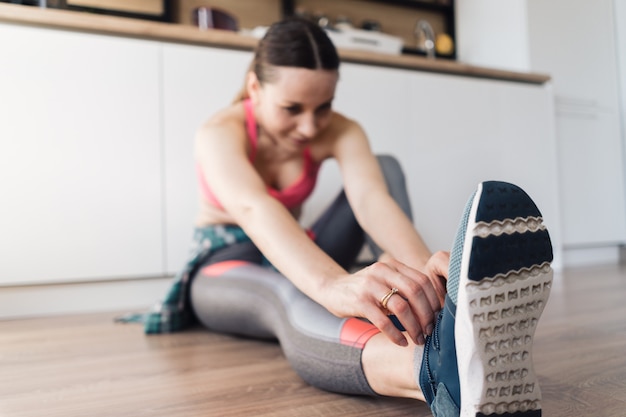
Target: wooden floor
(88,366)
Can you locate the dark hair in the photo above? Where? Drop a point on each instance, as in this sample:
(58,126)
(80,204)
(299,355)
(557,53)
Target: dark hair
(292,42)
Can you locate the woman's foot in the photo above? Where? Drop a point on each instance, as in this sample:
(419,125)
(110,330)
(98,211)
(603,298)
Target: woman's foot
(478,362)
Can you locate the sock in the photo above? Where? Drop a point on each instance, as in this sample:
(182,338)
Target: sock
(418,354)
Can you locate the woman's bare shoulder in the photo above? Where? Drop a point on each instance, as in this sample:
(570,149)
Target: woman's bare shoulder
(229,121)
(224,130)
(342,125)
(340,129)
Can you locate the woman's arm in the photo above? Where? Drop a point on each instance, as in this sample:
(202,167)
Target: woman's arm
(375,209)
(221,152)
(377,212)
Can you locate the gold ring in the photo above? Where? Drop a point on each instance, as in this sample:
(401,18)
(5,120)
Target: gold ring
(385,299)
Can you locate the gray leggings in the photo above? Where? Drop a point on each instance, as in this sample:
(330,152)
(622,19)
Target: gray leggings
(233,292)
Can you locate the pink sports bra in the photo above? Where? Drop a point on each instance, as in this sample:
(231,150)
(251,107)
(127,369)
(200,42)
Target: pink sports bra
(291,196)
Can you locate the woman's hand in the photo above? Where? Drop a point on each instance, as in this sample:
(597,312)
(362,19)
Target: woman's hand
(436,269)
(415,304)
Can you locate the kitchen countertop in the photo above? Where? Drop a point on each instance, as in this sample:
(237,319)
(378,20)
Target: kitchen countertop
(112,25)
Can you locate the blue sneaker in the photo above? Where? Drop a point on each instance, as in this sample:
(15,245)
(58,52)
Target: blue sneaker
(478,361)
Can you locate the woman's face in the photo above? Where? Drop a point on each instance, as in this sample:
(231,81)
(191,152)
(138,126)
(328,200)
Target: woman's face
(296,105)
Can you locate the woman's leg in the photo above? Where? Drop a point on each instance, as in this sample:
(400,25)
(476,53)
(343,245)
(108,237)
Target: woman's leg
(352,356)
(232,293)
(393,370)
(244,298)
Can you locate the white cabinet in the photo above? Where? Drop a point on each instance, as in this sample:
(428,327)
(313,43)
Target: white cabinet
(97,176)
(80,181)
(467,131)
(575,42)
(592,182)
(197,82)
(450,133)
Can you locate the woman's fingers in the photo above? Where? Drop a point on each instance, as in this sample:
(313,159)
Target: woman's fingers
(409,319)
(414,304)
(380,319)
(437,270)
(393,288)
(418,286)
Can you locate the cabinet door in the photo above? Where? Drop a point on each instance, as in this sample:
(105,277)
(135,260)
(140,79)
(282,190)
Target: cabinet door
(591,179)
(79,156)
(468,131)
(197,82)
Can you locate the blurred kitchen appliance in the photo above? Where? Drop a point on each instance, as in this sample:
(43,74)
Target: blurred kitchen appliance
(366,40)
(142,9)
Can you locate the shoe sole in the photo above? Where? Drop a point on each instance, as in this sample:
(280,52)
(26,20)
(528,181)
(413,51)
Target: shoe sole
(504,285)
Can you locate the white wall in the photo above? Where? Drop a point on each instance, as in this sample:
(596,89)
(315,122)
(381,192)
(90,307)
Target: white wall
(493,33)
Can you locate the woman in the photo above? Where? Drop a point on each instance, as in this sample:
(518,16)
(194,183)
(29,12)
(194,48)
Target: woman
(256,272)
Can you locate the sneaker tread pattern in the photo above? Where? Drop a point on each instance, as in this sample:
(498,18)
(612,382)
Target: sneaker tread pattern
(509,280)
